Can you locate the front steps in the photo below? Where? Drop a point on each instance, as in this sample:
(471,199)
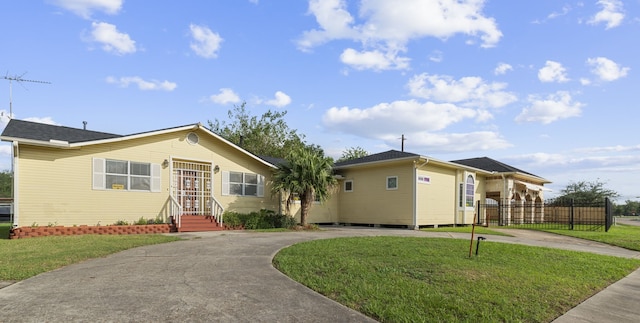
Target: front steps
(195,223)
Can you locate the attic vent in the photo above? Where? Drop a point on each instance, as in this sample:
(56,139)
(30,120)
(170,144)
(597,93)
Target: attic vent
(193,138)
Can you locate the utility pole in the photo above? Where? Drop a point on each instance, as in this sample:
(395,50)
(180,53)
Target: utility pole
(17,79)
(403,138)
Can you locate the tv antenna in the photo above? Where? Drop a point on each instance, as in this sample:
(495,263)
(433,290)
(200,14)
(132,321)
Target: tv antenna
(18,79)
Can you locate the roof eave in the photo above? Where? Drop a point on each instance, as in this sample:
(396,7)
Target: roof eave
(41,143)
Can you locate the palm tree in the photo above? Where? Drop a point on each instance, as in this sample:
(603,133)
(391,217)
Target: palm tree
(308,174)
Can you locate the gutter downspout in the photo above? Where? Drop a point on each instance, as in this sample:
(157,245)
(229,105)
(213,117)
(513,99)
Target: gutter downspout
(14,193)
(415,193)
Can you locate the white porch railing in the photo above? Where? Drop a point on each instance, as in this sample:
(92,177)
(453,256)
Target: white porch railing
(177,210)
(217,210)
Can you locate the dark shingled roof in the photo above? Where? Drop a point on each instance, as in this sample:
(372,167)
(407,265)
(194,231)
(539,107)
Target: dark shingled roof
(45,132)
(491,165)
(387,155)
(275,161)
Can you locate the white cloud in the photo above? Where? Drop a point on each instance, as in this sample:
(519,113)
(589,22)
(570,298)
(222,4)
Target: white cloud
(502,69)
(436,56)
(585,81)
(606,69)
(396,117)
(111,39)
(420,122)
(85,8)
(225,96)
(374,60)
(555,14)
(384,27)
(205,42)
(553,72)
(612,14)
(281,100)
(151,85)
(555,107)
(455,142)
(469,91)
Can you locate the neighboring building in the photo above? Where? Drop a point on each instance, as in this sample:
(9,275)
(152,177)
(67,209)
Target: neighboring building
(69,176)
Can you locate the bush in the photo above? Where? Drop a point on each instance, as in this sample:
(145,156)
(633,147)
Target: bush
(264,219)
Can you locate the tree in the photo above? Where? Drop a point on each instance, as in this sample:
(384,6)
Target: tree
(307,174)
(629,208)
(587,192)
(6,182)
(267,136)
(352,153)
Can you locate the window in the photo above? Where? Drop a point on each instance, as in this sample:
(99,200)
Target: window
(392,182)
(242,184)
(111,174)
(193,138)
(348,186)
(470,191)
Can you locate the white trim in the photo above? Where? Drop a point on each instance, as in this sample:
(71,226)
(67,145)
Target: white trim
(15,151)
(345,185)
(533,187)
(387,183)
(99,174)
(156,178)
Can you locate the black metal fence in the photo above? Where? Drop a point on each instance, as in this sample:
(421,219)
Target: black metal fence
(565,214)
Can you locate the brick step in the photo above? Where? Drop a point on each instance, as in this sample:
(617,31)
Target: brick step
(194,223)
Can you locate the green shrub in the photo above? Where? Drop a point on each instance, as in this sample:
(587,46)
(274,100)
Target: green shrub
(264,219)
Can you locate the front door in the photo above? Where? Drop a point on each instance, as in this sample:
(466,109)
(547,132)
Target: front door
(192,183)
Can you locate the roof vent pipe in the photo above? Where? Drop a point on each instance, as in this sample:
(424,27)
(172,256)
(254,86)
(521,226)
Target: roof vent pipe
(84,125)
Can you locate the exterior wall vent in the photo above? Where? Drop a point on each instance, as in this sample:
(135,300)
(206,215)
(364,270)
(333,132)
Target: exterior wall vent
(193,138)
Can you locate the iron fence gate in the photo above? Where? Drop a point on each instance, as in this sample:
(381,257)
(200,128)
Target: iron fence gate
(566,214)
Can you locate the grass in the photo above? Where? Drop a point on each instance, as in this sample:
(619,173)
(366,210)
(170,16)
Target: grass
(4,230)
(466,229)
(394,279)
(24,258)
(621,235)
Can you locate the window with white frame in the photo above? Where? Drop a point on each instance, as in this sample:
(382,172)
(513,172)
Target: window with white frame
(113,174)
(392,182)
(348,186)
(242,184)
(470,191)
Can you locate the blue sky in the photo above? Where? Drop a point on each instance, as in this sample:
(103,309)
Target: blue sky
(547,86)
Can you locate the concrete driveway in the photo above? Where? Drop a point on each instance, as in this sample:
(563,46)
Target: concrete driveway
(211,277)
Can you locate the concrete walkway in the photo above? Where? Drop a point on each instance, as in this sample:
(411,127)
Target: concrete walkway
(228,277)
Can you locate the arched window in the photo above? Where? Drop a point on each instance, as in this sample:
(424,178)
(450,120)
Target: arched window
(470,191)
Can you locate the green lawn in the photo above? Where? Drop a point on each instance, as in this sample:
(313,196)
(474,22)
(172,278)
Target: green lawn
(465,229)
(621,235)
(24,258)
(399,279)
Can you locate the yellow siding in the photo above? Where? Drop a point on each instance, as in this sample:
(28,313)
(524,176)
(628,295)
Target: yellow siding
(437,201)
(325,212)
(55,185)
(370,202)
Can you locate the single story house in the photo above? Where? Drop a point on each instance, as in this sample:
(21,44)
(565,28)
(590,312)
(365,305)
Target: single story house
(71,176)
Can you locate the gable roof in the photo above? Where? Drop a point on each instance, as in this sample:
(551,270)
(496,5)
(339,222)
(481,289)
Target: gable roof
(41,134)
(46,132)
(491,165)
(379,157)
